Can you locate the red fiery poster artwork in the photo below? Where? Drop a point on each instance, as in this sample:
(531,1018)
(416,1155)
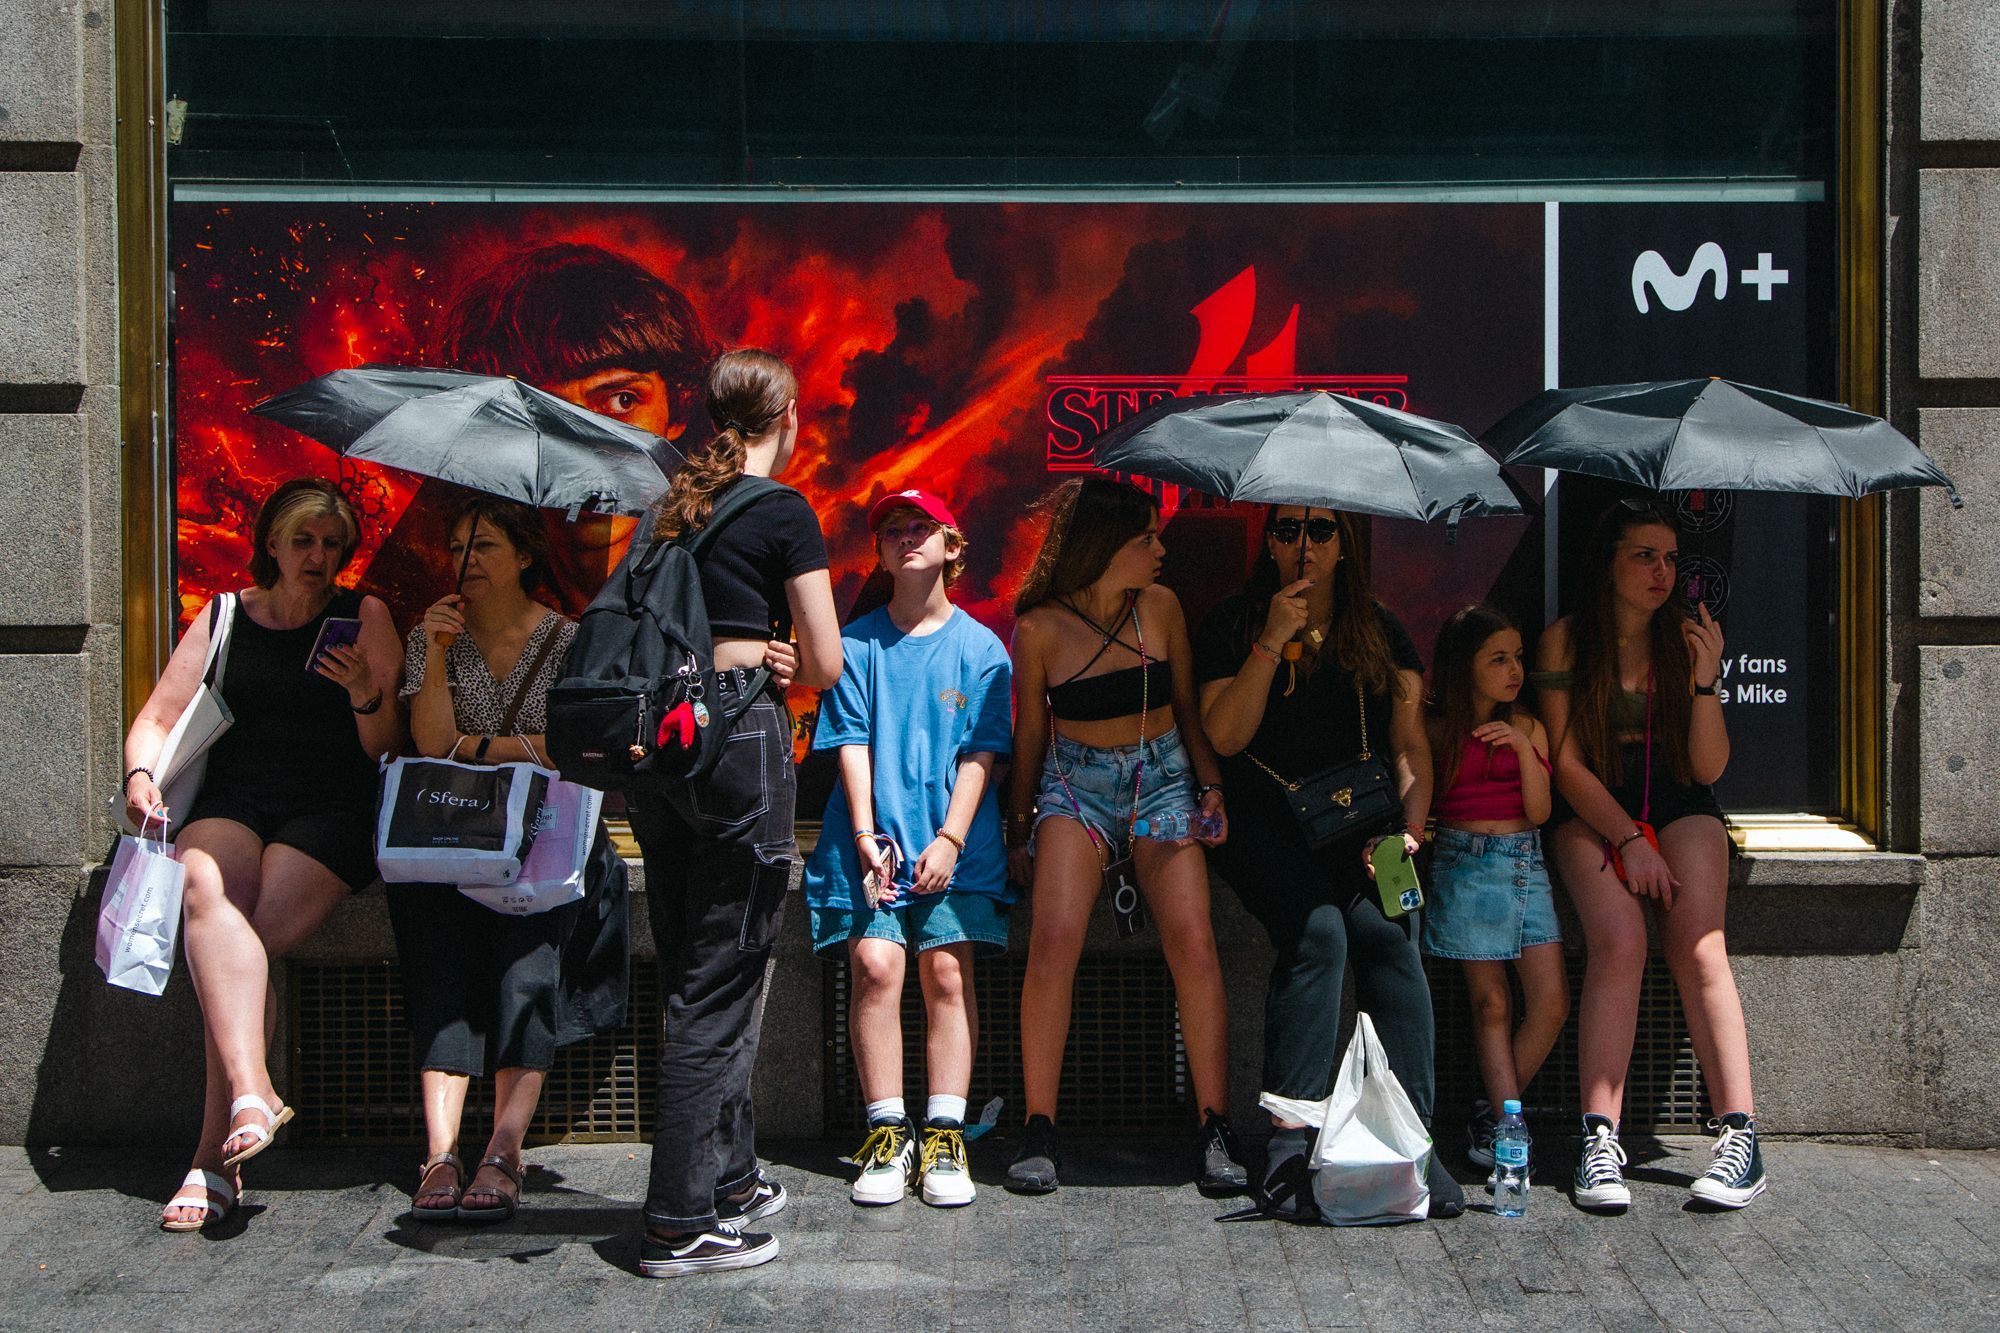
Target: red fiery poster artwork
(972,349)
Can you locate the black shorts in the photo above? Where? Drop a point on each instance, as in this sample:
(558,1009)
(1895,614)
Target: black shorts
(1666,802)
(341,838)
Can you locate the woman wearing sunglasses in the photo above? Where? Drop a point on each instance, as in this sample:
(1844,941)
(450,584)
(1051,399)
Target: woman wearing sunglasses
(1301,671)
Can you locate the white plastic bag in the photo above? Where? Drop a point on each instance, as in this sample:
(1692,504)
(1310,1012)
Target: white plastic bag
(1372,1156)
(183,759)
(444,822)
(552,876)
(141,915)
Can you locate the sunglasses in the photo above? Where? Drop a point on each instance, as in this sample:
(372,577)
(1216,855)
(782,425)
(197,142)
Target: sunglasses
(1320,530)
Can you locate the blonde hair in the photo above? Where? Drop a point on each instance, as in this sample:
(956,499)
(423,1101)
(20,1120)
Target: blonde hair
(955,566)
(290,507)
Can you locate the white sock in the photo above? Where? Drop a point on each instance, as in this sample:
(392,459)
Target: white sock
(888,1109)
(941,1107)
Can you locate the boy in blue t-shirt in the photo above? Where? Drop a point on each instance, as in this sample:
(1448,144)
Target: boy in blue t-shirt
(909,856)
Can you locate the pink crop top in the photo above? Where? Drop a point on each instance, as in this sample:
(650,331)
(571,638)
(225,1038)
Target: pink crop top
(1486,788)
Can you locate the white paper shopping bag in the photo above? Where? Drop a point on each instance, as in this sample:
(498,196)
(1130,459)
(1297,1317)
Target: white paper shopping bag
(141,916)
(1372,1157)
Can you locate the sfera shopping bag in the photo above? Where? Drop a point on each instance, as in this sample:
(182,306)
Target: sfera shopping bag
(443,822)
(141,915)
(553,874)
(1372,1157)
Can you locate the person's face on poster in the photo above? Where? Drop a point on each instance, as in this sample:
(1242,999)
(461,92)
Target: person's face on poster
(635,397)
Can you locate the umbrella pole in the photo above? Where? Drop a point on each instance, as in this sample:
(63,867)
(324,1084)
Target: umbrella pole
(464,561)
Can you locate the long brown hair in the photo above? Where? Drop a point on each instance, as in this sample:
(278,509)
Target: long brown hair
(1450,711)
(1089,519)
(1593,642)
(748,391)
(1356,638)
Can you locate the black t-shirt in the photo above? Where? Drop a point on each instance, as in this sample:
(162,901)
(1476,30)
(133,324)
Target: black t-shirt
(1318,724)
(743,574)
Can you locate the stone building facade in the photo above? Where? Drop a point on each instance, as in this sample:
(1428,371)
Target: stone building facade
(1871,979)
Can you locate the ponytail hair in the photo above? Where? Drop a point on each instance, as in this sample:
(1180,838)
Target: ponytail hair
(748,392)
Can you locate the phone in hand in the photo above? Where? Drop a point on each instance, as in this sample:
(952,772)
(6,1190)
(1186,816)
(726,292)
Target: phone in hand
(1396,877)
(336,632)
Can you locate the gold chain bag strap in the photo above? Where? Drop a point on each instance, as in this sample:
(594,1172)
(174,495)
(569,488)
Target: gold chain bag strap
(1349,800)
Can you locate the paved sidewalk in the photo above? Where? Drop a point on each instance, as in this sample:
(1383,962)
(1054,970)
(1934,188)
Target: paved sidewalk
(1847,1238)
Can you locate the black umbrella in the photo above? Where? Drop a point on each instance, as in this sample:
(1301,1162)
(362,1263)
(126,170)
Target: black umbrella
(1311,448)
(486,432)
(1713,434)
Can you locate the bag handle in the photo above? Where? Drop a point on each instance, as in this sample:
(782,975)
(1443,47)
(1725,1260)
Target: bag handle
(513,709)
(221,617)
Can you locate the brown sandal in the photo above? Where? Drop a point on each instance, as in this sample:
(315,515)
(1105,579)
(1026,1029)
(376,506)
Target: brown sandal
(450,1194)
(509,1194)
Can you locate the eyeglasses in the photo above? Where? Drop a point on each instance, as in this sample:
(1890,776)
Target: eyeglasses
(1320,530)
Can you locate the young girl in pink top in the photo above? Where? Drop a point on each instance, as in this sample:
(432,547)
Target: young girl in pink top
(1489,900)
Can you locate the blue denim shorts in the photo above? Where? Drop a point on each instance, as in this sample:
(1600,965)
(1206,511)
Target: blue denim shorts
(1489,896)
(1093,784)
(923,921)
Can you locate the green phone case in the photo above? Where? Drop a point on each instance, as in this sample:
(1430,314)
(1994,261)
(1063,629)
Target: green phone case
(1396,878)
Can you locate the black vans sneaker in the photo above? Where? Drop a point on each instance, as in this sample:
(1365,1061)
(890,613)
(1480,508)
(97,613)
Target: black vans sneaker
(1221,1170)
(1735,1173)
(1034,1167)
(718,1249)
(1600,1170)
(764,1197)
(1479,1130)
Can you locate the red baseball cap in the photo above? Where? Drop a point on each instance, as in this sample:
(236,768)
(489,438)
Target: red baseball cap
(923,502)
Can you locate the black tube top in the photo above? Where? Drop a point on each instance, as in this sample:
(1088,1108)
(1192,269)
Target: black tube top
(1113,694)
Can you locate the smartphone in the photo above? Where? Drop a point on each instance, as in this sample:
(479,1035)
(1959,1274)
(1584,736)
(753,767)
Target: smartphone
(338,631)
(1396,877)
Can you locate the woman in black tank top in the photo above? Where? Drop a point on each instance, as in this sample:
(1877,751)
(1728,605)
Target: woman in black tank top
(281,829)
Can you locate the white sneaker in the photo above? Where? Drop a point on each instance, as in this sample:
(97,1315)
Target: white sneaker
(888,1160)
(946,1181)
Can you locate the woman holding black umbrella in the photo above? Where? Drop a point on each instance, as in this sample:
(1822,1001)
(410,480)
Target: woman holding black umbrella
(1302,671)
(1629,694)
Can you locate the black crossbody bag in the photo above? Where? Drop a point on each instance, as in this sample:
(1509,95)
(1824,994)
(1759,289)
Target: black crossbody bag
(1348,800)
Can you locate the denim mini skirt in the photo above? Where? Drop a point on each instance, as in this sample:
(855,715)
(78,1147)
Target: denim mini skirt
(1489,896)
(1094,784)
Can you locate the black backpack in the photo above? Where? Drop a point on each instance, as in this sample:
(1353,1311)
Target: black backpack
(639,678)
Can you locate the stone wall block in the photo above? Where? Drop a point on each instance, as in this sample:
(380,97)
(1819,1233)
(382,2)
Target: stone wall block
(1958,274)
(42,521)
(1960,1003)
(1958,571)
(1833,1048)
(1958,764)
(41,270)
(44,751)
(1960,83)
(41,69)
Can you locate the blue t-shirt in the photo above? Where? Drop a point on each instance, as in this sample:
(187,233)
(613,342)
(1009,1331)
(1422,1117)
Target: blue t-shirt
(919,703)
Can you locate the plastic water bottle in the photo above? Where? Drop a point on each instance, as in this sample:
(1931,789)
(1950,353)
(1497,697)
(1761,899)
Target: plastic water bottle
(1510,1162)
(1179,826)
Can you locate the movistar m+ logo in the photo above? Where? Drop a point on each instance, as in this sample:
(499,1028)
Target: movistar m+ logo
(1651,273)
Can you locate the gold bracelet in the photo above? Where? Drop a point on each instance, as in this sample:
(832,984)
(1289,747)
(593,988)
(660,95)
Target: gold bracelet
(953,839)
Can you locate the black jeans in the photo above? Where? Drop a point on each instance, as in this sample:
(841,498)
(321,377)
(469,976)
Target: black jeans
(1321,912)
(719,859)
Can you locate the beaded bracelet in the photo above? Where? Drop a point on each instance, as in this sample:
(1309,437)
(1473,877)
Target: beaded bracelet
(953,839)
(140,769)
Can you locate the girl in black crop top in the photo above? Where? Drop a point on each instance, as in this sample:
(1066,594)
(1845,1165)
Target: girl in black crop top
(1104,690)
(282,827)
(719,853)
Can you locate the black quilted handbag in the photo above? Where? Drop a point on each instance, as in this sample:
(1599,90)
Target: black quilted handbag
(1354,799)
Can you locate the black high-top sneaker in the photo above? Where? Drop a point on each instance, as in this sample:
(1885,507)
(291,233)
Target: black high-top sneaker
(1600,1169)
(1033,1170)
(1735,1173)
(1220,1170)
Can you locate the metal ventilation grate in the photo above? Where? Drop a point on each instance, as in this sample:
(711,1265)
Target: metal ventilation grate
(354,1081)
(1124,1069)
(1663,1090)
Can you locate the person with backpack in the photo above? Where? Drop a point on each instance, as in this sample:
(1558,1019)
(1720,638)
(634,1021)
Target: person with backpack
(909,858)
(718,846)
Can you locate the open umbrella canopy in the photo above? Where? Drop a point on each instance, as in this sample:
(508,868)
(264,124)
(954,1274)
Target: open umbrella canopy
(1713,434)
(487,432)
(1311,448)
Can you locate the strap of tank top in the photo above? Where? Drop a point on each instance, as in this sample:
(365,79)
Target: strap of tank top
(1131,613)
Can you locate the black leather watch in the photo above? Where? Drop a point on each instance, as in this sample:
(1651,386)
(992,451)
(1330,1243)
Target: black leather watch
(1708,690)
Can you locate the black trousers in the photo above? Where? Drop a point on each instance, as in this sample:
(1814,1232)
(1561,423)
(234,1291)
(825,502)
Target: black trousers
(1322,914)
(719,860)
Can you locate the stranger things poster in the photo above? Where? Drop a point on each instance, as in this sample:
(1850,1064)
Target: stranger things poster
(970,348)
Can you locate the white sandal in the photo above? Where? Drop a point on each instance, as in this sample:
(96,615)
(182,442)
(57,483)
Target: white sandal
(260,1134)
(191,1196)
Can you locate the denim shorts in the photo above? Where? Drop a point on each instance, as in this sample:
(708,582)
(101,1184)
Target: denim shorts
(933,918)
(1489,896)
(1093,784)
